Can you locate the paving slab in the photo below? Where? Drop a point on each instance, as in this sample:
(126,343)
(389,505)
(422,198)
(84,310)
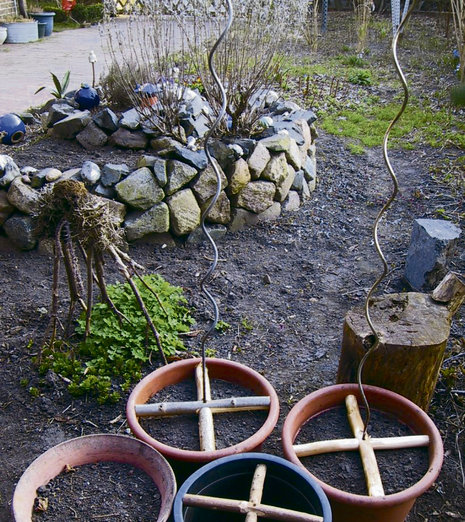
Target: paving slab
(26,67)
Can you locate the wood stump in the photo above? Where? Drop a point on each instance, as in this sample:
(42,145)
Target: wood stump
(413,331)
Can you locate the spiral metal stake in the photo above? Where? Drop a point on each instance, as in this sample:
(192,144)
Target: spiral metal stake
(212,268)
(377,335)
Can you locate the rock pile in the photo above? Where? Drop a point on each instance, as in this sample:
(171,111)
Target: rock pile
(173,183)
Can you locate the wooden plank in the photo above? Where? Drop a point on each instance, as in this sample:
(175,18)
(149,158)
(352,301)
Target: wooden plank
(256,491)
(164,409)
(382,443)
(206,426)
(367,454)
(244,507)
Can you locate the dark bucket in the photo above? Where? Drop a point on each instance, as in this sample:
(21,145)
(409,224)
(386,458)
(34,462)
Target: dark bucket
(42,26)
(286,486)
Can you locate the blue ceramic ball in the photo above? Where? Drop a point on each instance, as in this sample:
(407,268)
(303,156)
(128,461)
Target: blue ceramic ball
(12,129)
(87,97)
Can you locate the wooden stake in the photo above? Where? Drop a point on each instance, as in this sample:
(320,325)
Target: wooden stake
(451,291)
(206,426)
(165,409)
(241,506)
(256,491)
(384,443)
(367,454)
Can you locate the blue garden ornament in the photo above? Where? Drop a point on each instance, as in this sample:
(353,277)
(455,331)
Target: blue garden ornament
(12,129)
(87,97)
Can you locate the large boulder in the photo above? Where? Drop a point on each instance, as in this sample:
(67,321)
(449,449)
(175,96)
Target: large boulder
(154,220)
(140,190)
(205,186)
(257,196)
(22,196)
(179,175)
(184,212)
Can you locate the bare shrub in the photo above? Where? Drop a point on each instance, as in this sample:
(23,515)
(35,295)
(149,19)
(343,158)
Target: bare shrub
(362,10)
(458,10)
(311,26)
(248,61)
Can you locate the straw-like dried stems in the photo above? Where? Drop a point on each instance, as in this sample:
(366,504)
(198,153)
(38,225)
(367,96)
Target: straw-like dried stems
(458,11)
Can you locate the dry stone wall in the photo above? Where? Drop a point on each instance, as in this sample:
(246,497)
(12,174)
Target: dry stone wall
(173,184)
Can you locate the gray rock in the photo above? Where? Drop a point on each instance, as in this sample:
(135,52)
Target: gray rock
(6,208)
(309,168)
(107,120)
(197,236)
(52,174)
(130,119)
(28,170)
(314,132)
(291,129)
(26,117)
(271,213)
(57,112)
(196,159)
(257,196)
(222,153)
(4,161)
(38,179)
(292,202)
(184,212)
(306,193)
(242,218)
(154,220)
(301,114)
(71,126)
(179,175)
(196,126)
(9,172)
(312,184)
(283,106)
(146,160)
(140,190)
(205,185)
(305,132)
(276,169)
(74,174)
(92,137)
(19,230)
(239,176)
(159,169)
(164,146)
(105,192)
(293,155)
(297,184)
(277,143)
(127,139)
(221,210)
(117,209)
(282,188)
(271,97)
(90,173)
(258,160)
(432,244)
(113,172)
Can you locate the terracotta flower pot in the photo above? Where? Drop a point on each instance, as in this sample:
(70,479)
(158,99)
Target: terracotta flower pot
(285,486)
(348,507)
(87,450)
(217,368)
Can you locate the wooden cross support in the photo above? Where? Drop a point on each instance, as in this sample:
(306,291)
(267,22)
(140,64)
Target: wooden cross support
(365,446)
(253,508)
(204,408)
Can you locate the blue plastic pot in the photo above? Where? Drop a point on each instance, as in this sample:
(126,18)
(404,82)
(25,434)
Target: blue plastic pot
(286,486)
(45,18)
(12,129)
(87,97)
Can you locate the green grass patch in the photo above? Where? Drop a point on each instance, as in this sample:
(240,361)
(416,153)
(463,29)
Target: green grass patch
(367,125)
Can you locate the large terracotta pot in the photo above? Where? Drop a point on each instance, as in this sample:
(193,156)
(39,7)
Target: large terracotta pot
(285,486)
(87,450)
(348,507)
(217,368)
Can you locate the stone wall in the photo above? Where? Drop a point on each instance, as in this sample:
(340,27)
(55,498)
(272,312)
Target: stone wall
(172,184)
(7,8)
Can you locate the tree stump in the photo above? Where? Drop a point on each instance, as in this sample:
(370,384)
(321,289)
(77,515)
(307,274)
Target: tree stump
(413,330)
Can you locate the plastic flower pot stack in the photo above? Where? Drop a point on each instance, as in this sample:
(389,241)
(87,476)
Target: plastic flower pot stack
(376,506)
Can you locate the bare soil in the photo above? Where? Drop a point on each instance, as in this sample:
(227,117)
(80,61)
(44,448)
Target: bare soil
(284,287)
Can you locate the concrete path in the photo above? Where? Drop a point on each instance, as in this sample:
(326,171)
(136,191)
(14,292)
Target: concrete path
(26,67)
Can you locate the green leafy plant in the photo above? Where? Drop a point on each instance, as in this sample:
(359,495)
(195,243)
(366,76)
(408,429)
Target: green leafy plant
(112,357)
(60,86)
(360,77)
(222,326)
